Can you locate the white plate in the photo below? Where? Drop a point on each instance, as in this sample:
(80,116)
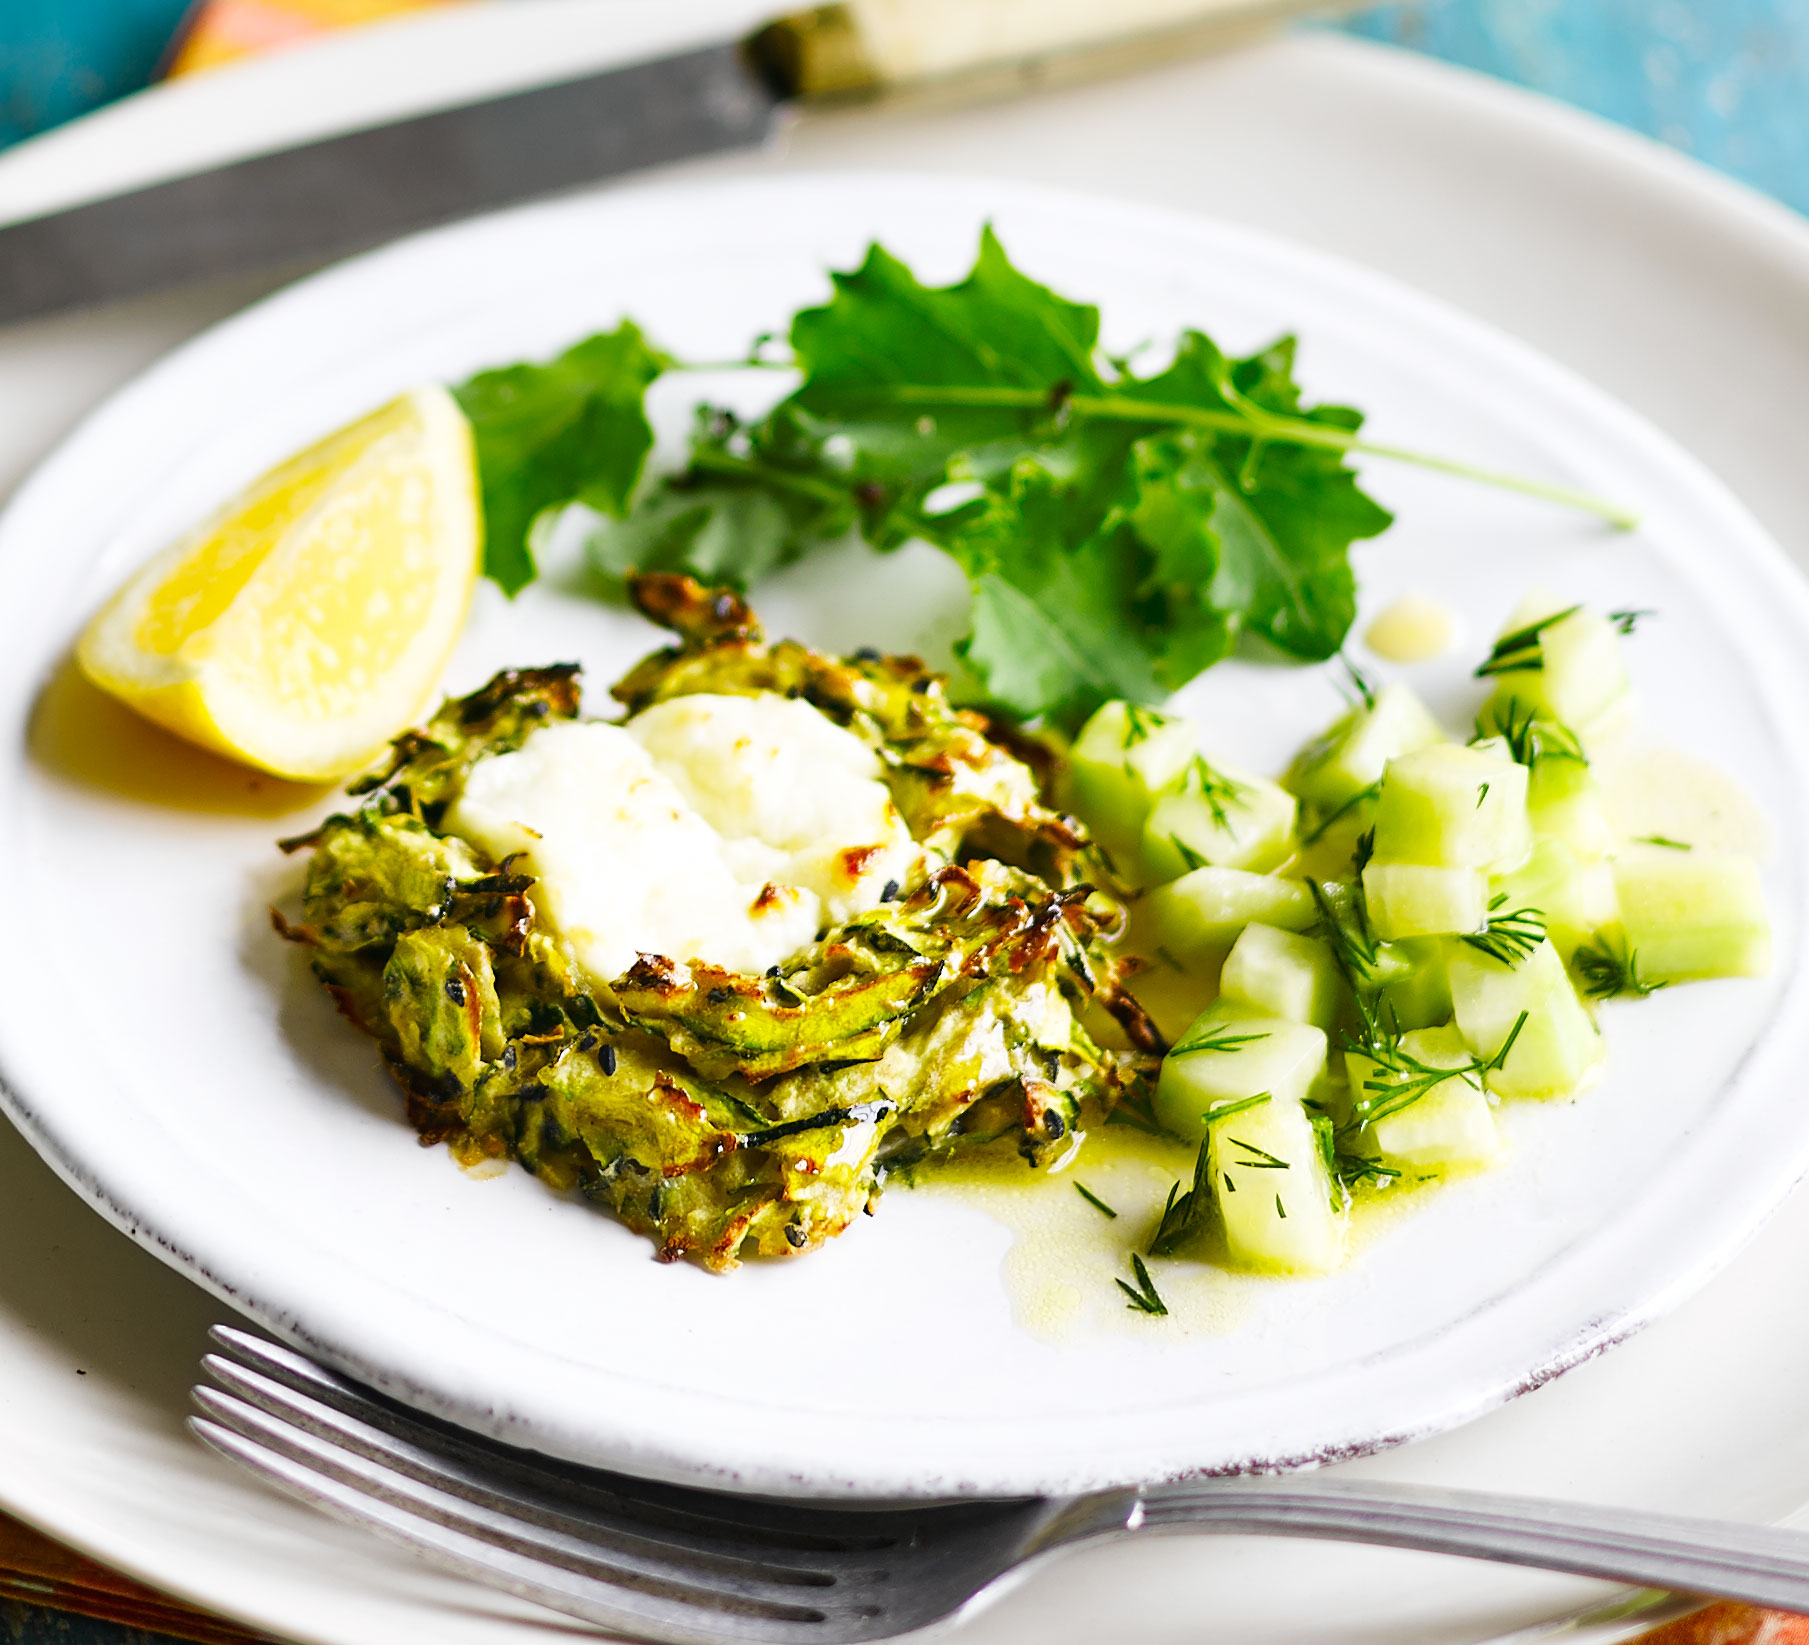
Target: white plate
(224,1114)
(1677,289)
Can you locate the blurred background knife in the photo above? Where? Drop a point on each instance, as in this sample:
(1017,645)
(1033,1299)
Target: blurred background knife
(358,188)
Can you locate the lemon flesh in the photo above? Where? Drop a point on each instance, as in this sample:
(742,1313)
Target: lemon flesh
(308,621)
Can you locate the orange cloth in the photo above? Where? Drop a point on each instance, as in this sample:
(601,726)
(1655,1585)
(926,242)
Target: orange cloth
(1731,1625)
(37,1571)
(221,31)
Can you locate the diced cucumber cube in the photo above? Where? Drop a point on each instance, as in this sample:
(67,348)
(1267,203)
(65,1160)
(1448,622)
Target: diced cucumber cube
(1350,756)
(1273,1192)
(1284,975)
(1574,899)
(1230,1054)
(1412,900)
(1452,807)
(1690,914)
(1557,1049)
(1498,749)
(1565,802)
(1327,848)
(1219,818)
(1536,604)
(1122,760)
(1200,915)
(1370,965)
(1359,1070)
(1598,903)
(1450,1125)
(1329,1095)
(1569,670)
(1421,996)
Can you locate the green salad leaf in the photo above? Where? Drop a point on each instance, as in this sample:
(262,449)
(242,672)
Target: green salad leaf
(750,501)
(1119,533)
(571,430)
(1283,516)
(1057,628)
(904,373)
(1111,548)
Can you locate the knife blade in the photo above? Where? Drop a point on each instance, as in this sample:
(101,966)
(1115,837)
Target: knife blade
(347,192)
(352,190)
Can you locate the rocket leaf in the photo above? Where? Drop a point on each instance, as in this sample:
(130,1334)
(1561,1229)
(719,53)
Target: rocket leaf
(1119,533)
(1067,614)
(1056,629)
(572,429)
(749,502)
(1285,515)
(902,373)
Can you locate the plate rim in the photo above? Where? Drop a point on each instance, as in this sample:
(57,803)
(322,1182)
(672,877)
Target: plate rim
(1488,1382)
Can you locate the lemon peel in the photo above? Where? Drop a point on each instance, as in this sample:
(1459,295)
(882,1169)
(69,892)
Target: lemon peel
(308,621)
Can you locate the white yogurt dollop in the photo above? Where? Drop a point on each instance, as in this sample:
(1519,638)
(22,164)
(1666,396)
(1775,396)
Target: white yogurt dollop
(797,799)
(1414,629)
(722,829)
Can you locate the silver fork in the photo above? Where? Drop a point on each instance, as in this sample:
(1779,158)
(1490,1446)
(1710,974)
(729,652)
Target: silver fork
(689,1567)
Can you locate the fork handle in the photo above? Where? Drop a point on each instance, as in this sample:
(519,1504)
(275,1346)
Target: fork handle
(1755,1563)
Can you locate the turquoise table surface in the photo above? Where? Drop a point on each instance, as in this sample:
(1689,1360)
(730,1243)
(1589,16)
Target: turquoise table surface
(1724,80)
(27,1625)
(60,58)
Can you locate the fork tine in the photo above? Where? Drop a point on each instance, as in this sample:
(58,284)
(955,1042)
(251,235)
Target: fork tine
(671,1617)
(665,1563)
(711,1516)
(271,1416)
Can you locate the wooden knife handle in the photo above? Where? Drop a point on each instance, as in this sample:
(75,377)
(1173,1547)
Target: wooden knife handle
(867,45)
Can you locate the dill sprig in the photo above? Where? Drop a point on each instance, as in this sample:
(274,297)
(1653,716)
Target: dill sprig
(1345,1166)
(1344,926)
(1260,1159)
(1184,1214)
(1145,1298)
(1519,652)
(1405,1078)
(1359,682)
(1321,828)
(1509,938)
(1141,724)
(1214,1037)
(1609,970)
(1188,855)
(1325,1137)
(1371,1030)
(1136,1107)
(1095,1201)
(1217,790)
(1626,621)
(1529,738)
(1353,1168)
(1225,1107)
(1668,844)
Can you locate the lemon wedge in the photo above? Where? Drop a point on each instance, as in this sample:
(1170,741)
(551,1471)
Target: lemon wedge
(308,621)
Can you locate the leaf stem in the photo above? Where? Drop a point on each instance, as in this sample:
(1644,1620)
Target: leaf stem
(753,363)
(716,461)
(1258,425)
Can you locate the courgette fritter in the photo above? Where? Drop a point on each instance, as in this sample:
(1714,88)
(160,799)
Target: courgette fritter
(725,1114)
